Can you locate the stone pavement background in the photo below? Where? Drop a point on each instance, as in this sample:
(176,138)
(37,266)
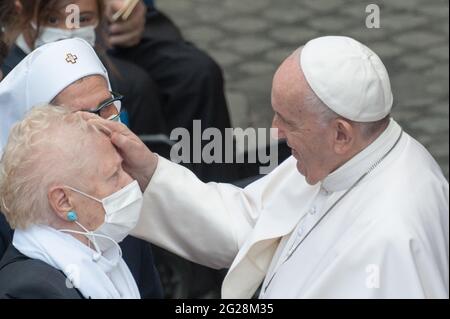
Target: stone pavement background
(250,38)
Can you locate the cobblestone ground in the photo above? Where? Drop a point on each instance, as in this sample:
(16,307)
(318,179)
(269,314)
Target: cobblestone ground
(250,38)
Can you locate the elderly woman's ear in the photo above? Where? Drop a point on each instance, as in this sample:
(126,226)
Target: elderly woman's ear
(59,202)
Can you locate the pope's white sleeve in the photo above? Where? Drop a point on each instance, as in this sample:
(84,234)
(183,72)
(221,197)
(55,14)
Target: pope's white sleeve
(204,223)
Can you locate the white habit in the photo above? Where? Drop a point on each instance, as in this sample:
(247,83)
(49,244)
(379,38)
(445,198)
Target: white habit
(386,238)
(41,76)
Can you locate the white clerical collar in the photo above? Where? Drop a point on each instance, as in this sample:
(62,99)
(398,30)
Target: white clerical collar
(345,176)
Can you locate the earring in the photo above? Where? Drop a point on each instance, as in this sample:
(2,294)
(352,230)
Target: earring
(72,216)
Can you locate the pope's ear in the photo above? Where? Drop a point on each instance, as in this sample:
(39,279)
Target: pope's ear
(344,136)
(59,201)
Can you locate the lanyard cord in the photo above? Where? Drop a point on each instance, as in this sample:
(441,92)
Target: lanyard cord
(291,253)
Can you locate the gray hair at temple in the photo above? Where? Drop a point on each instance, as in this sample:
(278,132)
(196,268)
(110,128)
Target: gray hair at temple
(45,149)
(326,115)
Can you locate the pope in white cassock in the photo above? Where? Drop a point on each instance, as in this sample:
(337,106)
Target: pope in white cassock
(361,209)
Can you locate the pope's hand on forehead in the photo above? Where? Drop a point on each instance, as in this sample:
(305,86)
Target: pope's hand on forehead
(108,127)
(139,161)
(100,125)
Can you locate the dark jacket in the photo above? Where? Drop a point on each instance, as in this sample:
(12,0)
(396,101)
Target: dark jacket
(137,254)
(5,235)
(25,278)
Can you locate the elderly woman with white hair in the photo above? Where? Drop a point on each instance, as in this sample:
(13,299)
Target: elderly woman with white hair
(63,190)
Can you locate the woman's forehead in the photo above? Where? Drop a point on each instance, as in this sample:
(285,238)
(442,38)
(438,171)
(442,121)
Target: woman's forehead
(101,152)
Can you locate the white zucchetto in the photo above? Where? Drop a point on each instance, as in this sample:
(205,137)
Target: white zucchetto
(348,77)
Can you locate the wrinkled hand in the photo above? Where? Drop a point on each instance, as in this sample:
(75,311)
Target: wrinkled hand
(138,160)
(126,33)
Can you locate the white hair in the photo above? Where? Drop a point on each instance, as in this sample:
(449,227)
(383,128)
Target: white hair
(367,129)
(44,149)
(315,105)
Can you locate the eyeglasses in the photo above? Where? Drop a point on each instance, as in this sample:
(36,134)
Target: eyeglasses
(116,97)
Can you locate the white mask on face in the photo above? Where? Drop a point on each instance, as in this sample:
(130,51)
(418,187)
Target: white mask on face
(122,212)
(50,35)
